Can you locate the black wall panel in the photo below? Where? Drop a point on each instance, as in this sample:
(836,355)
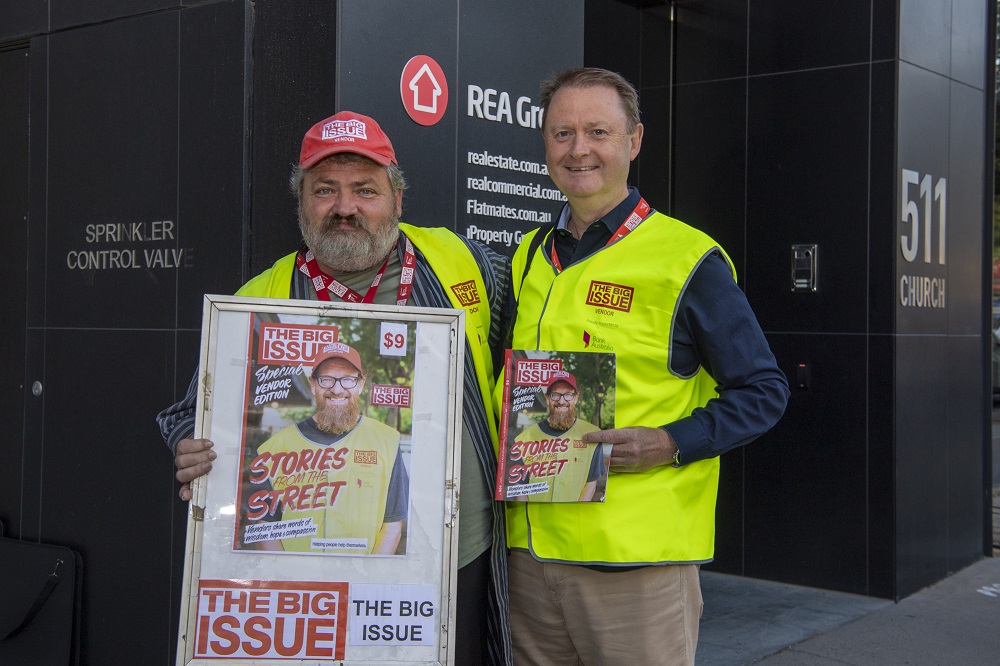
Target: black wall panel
(213,163)
(108,490)
(882,240)
(292,87)
(788,36)
(709,182)
(807,182)
(111,160)
(884,30)
(655,37)
(964,452)
(651,170)
(968,42)
(610,31)
(921,483)
(826,139)
(26,512)
(925,34)
(38,185)
(711,40)
(805,510)
(13,273)
(940,355)
(730,528)
(880,490)
(69,13)
(23,18)
(965,187)
(29,503)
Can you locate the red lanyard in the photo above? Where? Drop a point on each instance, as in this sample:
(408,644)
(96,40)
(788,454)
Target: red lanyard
(325,284)
(637,215)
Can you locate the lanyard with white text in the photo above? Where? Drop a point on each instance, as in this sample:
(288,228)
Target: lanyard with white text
(325,284)
(637,215)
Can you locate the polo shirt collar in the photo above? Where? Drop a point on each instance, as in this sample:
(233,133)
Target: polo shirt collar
(613,219)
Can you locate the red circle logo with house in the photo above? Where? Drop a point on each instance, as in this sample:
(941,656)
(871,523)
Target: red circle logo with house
(424,90)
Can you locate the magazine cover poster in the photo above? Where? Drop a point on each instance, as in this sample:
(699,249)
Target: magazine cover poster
(326,436)
(550,399)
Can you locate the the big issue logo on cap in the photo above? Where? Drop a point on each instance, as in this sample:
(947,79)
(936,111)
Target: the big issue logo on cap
(424,90)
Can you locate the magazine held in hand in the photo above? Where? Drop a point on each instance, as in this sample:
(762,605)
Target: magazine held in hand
(550,399)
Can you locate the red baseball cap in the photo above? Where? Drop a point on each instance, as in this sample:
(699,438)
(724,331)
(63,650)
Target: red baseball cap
(339,350)
(346,132)
(561,376)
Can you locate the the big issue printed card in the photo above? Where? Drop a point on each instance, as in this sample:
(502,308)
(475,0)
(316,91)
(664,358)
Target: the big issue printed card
(322,537)
(550,400)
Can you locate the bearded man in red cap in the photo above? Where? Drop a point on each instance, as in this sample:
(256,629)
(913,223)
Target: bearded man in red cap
(350,189)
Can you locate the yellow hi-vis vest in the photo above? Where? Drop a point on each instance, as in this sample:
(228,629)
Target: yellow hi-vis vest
(622,299)
(456,269)
(352,496)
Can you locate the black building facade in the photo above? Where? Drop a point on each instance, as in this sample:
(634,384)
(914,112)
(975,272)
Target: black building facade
(841,153)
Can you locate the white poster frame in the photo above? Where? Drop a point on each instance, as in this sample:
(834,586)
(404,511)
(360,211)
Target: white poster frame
(431,552)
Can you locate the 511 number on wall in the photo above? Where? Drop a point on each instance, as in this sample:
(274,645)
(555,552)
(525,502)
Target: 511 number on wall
(921,196)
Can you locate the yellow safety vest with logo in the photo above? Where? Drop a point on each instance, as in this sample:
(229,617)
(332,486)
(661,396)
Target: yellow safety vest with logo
(622,299)
(456,269)
(357,509)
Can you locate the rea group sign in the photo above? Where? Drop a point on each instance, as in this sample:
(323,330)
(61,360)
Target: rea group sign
(455,86)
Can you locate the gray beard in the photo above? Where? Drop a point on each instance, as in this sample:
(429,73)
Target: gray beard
(349,251)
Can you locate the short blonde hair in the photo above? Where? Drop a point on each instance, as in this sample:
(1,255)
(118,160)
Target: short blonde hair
(585,77)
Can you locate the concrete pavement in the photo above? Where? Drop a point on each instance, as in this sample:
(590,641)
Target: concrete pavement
(956,621)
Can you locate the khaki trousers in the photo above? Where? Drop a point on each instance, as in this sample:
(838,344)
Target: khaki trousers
(567,614)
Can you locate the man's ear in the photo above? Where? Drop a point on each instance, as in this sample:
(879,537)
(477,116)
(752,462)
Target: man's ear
(635,141)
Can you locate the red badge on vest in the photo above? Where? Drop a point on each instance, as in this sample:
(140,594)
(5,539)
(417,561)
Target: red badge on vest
(610,295)
(466,292)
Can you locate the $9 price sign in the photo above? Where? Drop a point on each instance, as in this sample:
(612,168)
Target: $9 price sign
(392,339)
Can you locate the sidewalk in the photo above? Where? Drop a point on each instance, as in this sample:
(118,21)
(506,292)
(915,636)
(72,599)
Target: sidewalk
(956,621)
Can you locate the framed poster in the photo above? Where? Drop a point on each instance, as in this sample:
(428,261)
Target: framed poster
(327,529)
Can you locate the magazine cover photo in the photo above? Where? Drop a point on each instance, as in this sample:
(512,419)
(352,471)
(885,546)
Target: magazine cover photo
(550,400)
(326,436)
